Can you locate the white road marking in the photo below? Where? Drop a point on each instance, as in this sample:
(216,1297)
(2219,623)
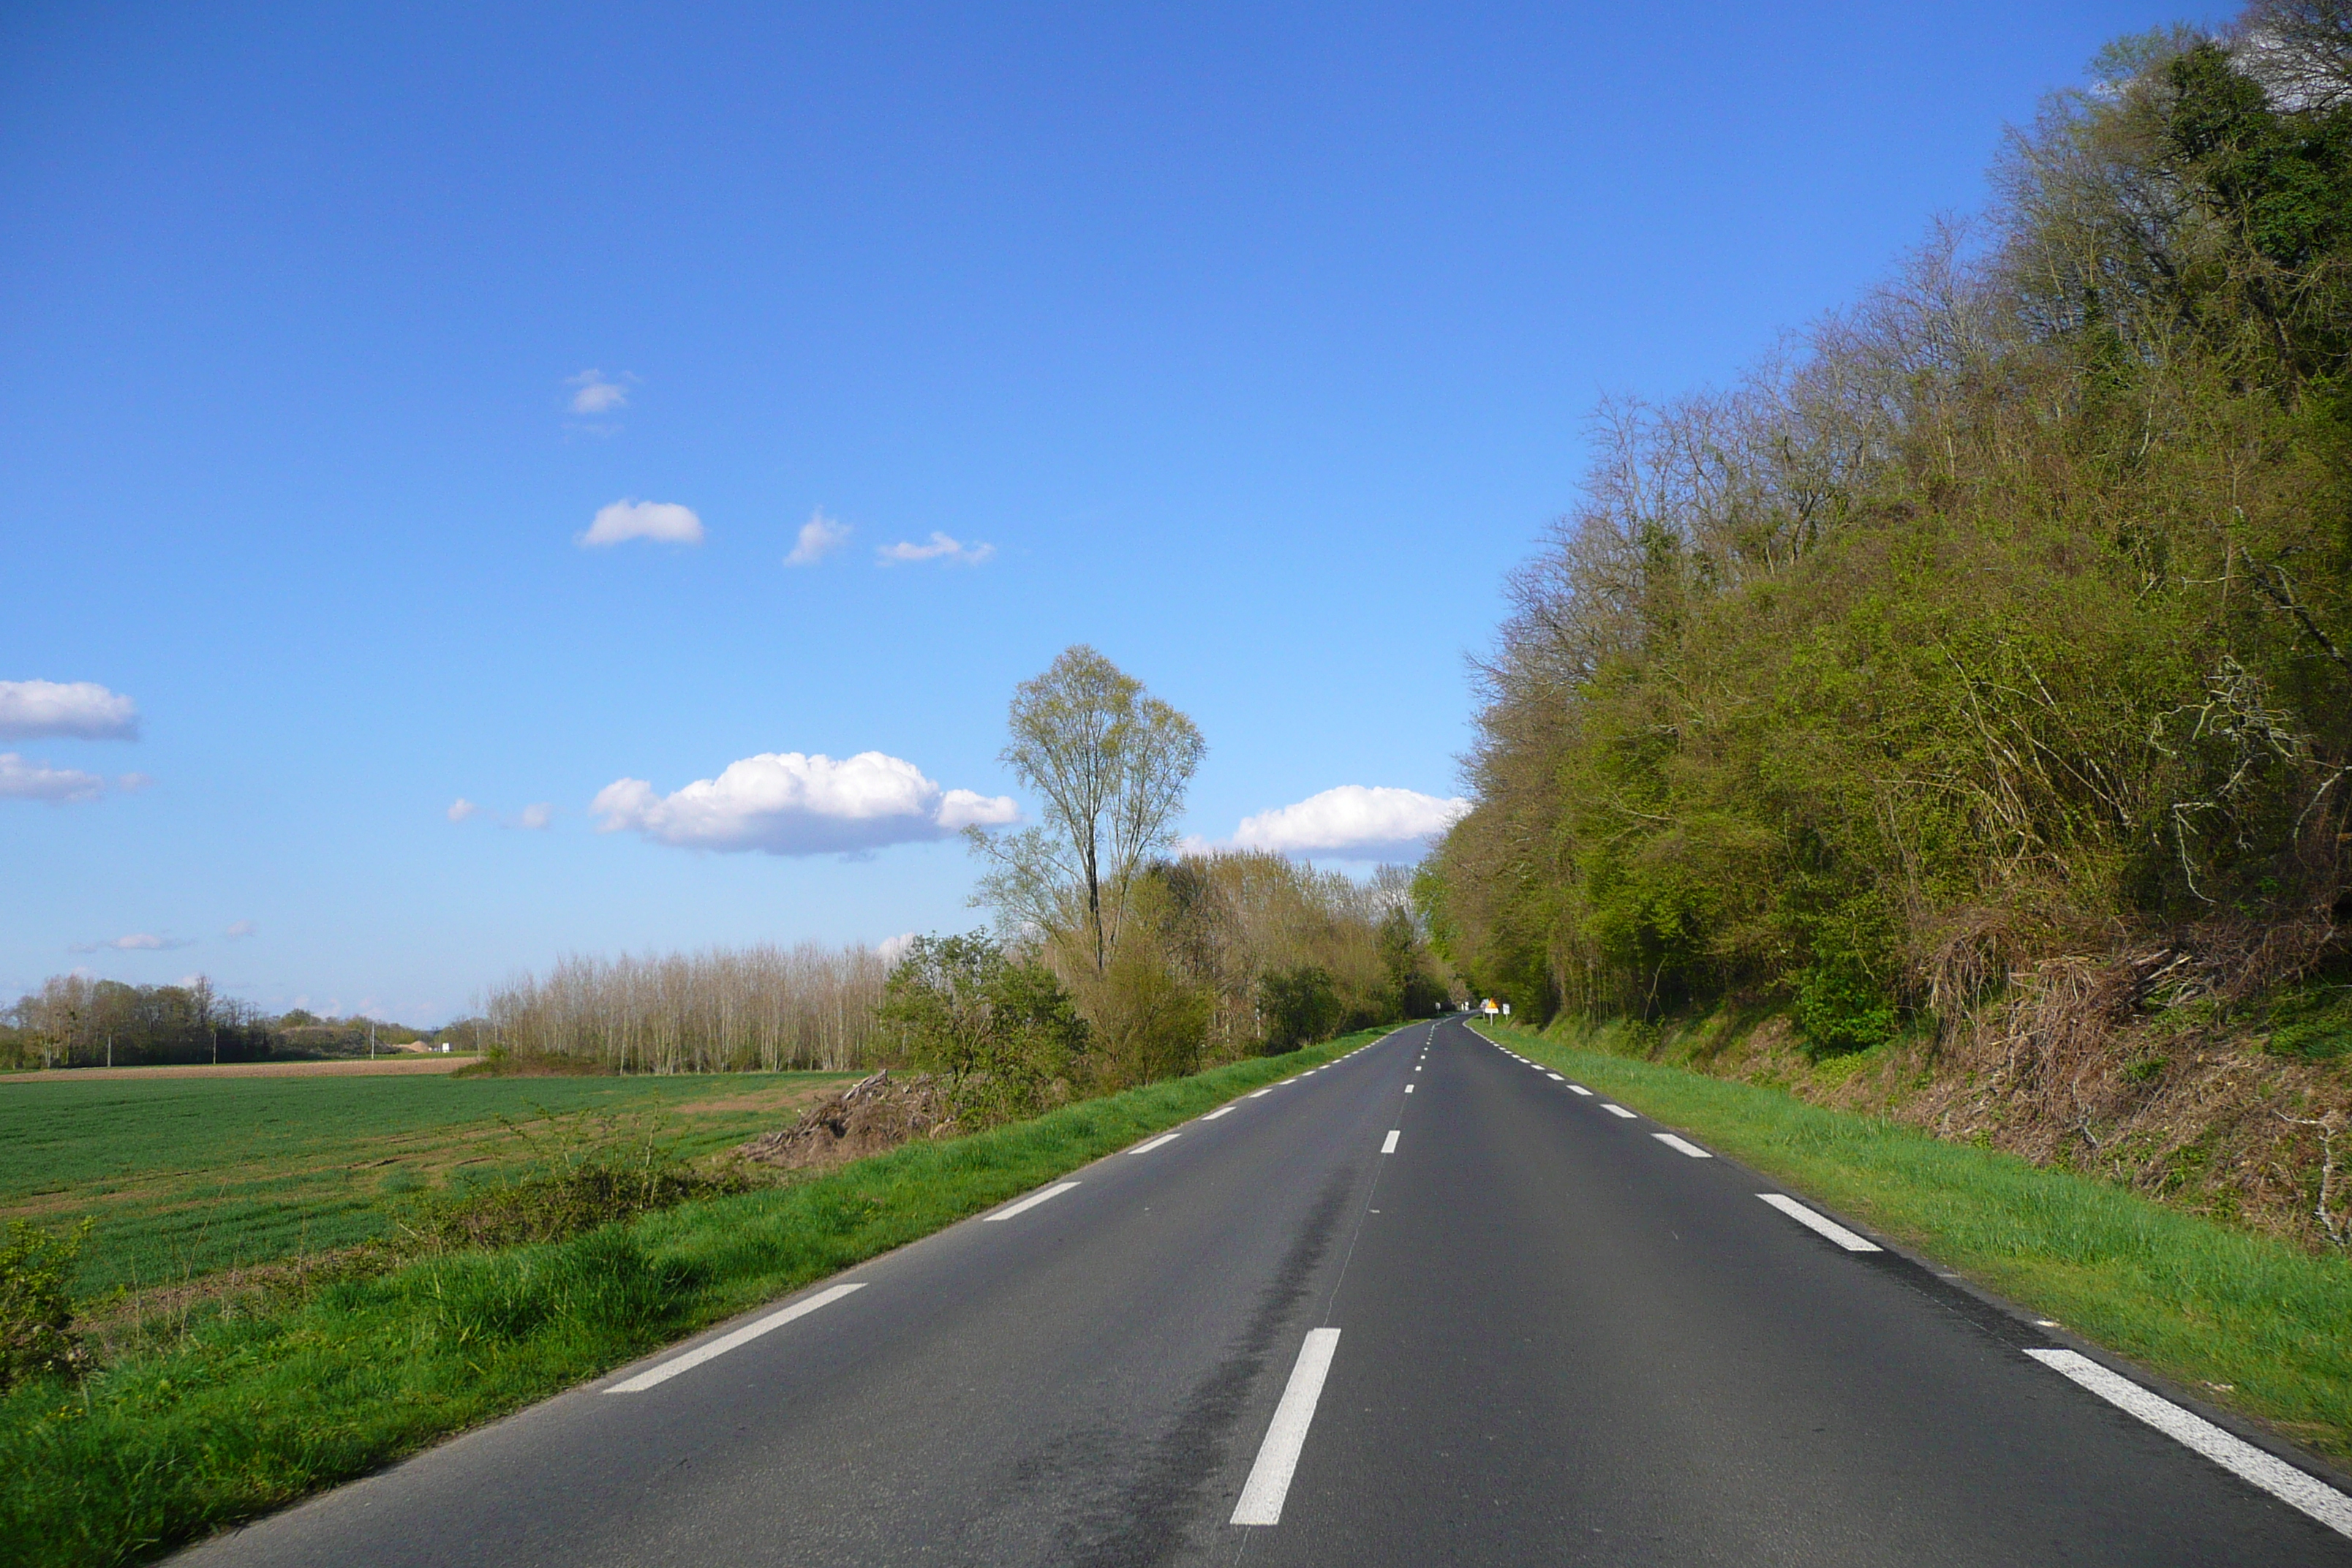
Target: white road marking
(1220,1111)
(725,1343)
(2242,1459)
(1827,1227)
(1026,1205)
(1618,1110)
(1682,1145)
(1277,1456)
(1269,1088)
(1389,1145)
(1577,1087)
(1408,1089)
(1554,1078)
(1156,1142)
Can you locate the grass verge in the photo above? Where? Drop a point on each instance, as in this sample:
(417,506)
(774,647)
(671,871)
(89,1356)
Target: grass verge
(254,1411)
(2250,1322)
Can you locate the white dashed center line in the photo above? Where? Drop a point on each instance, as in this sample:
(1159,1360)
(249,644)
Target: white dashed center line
(1163,1139)
(1408,1089)
(1389,1145)
(1026,1205)
(1826,1226)
(1682,1146)
(1618,1110)
(1277,1456)
(742,1336)
(2242,1459)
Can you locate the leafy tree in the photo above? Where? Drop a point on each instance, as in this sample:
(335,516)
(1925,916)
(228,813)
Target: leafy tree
(1300,1006)
(1001,1031)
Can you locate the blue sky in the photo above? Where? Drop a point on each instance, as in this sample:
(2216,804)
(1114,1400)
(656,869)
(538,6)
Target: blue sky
(1251,344)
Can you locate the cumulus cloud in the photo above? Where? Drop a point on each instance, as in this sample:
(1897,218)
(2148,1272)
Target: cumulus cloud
(820,536)
(32,709)
(891,949)
(1352,823)
(24,780)
(461,808)
(131,783)
(940,548)
(629,517)
(240,931)
(592,392)
(138,942)
(787,803)
(534,817)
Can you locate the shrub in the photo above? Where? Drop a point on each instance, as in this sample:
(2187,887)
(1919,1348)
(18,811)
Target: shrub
(37,1302)
(1301,1005)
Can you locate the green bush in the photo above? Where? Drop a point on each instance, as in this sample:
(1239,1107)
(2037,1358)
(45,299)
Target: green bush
(37,1302)
(1299,1005)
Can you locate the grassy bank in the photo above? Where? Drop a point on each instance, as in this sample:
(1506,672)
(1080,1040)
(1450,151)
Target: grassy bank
(251,1412)
(186,1177)
(2251,1322)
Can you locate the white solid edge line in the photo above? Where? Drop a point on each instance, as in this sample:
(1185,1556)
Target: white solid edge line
(2241,1458)
(1388,1144)
(725,1343)
(1277,1456)
(1026,1205)
(1156,1142)
(1682,1146)
(1220,1111)
(1577,1087)
(1821,1222)
(1618,1110)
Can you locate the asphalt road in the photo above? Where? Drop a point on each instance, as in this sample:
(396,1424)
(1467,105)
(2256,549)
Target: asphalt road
(1559,1340)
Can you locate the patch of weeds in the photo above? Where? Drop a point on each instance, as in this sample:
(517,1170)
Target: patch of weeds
(2145,1070)
(581,1171)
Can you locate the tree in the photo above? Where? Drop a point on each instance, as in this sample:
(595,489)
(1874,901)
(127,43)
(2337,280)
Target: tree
(1001,1031)
(1112,763)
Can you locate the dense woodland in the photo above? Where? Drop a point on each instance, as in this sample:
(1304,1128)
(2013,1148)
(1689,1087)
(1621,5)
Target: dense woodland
(2004,614)
(74,1020)
(1981,665)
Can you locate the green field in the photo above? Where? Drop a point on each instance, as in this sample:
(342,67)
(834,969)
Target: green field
(187,1176)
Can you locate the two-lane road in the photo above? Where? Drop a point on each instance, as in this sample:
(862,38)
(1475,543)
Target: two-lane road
(1430,1304)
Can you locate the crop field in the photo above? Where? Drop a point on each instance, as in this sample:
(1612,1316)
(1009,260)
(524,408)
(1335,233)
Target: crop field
(186,1177)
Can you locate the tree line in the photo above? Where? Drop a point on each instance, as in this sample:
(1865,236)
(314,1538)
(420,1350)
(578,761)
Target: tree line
(2004,616)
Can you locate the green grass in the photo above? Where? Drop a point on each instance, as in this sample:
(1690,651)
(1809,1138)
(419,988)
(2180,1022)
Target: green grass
(2247,1322)
(253,1411)
(187,1176)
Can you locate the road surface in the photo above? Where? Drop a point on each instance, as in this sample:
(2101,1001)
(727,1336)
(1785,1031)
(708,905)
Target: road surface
(1427,1305)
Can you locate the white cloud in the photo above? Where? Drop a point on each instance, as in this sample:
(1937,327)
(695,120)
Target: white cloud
(534,817)
(30,710)
(820,536)
(940,548)
(1352,823)
(787,804)
(131,783)
(242,929)
(891,949)
(21,779)
(595,393)
(461,808)
(629,517)
(138,942)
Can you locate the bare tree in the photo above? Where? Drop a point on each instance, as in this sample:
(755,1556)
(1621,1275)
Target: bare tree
(1112,763)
